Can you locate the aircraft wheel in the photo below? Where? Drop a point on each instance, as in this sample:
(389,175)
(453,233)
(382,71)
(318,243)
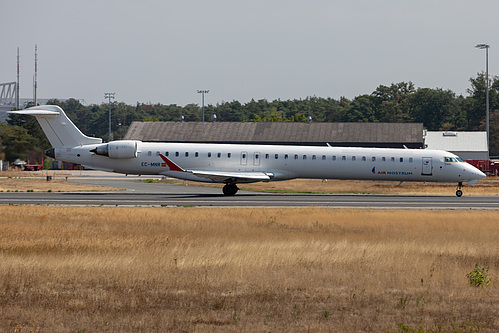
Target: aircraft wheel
(459,193)
(230,189)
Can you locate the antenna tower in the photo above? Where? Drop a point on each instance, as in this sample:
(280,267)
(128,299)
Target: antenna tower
(17,84)
(36,73)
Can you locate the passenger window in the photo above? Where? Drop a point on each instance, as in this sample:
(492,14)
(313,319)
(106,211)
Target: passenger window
(314,157)
(334,157)
(166,153)
(401,159)
(149,153)
(353,158)
(363,159)
(228,155)
(304,157)
(410,159)
(286,156)
(244,155)
(383,159)
(257,156)
(276,156)
(343,158)
(323,157)
(177,154)
(296,157)
(196,154)
(374,159)
(157,153)
(186,154)
(219,155)
(209,154)
(393,159)
(267,156)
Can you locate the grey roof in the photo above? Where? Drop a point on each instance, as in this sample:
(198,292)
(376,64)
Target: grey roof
(382,134)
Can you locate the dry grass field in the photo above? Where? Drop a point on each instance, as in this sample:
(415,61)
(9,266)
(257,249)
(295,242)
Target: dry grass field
(20,181)
(74,269)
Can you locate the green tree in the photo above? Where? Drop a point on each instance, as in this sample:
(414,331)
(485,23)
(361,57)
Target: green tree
(32,127)
(299,118)
(437,109)
(272,115)
(393,103)
(494,133)
(16,141)
(361,110)
(476,109)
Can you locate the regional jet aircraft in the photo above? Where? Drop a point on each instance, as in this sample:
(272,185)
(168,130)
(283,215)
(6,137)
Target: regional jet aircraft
(233,164)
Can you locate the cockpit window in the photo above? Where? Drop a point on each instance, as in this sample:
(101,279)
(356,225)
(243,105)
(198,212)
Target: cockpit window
(459,159)
(450,159)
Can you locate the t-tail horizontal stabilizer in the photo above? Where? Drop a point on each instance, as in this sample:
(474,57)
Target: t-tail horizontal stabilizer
(58,128)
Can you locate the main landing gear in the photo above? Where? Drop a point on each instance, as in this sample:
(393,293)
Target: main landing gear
(459,192)
(230,189)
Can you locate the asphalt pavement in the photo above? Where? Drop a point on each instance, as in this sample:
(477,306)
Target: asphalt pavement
(134,192)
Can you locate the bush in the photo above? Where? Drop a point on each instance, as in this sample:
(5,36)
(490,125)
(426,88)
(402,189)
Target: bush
(479,276)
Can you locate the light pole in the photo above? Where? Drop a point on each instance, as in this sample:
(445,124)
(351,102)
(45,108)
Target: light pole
(486,47)
(109,96)
(203,92)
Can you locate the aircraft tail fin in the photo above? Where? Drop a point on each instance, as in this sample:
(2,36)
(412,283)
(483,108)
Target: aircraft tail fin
(58,128)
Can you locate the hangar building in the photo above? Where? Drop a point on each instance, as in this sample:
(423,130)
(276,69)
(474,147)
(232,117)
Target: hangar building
(386,135)
(467,145)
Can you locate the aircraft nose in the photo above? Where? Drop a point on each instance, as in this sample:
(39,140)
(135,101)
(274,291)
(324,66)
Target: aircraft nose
(480,174)
(475,173)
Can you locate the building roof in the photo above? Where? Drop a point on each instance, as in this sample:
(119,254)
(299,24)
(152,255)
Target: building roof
(345,134)
(457,141)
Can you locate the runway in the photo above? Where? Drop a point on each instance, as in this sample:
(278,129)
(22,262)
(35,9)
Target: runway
(172,195)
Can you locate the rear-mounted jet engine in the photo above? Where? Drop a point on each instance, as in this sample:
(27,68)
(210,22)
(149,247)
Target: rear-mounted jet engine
(117,149)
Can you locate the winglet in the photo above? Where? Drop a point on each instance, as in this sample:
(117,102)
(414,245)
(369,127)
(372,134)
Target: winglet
(171,164)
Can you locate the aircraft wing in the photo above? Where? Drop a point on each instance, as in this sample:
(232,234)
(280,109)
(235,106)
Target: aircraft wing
(236,177)
(221,176)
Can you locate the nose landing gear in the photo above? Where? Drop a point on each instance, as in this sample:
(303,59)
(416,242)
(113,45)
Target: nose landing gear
(459,192)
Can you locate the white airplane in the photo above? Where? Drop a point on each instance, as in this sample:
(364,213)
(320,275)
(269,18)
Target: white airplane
(232,164)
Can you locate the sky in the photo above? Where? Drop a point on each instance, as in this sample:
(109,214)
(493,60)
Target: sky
(163,51)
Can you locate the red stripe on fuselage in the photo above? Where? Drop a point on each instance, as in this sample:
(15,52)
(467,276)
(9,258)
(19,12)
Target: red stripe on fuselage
(171,164)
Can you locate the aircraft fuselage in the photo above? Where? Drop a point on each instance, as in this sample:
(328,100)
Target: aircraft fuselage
(282,162)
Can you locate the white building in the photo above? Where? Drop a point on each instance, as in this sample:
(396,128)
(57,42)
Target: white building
(467,145)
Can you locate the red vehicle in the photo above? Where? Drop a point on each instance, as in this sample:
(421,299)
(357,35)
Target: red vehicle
(35,161)
(487,166)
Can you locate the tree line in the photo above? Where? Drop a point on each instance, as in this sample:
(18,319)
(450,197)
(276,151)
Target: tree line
(437,109)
